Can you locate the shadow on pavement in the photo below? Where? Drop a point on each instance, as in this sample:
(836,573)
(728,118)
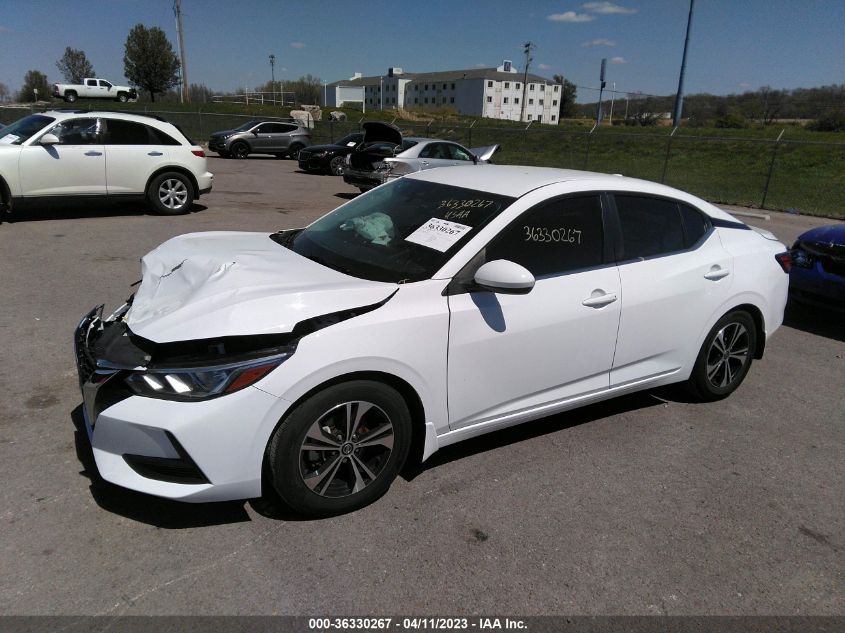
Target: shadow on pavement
(67,210)
(815,320)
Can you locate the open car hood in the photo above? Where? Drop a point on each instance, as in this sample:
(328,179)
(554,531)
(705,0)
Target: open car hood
(485,153)
(227,283)
(378,131)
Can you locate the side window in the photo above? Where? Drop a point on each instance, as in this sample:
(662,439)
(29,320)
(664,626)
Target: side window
(120,132)
(286,127)
(78,132)
(264,128)
(458,153)
(104,84)
(432,150)
(91,82)
(696,224)
(157,137)
(650,226)
(556,237)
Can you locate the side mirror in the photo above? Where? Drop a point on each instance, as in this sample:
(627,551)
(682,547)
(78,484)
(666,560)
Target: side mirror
(49,139)
(504,277)
(475,159)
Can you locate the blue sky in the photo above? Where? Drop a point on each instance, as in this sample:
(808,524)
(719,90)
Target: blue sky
(736,45)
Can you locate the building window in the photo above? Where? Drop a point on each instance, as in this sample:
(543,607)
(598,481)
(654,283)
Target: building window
(531,86)
(489,99)
(426,87)
(557,88)
(453,86)
(554,117)
(554,102)
(541,102)
(507,84)
(416,99)
(516,100)
(543,88)
(426,99)
(489,84)
(529,117)
(506,99)
(517,86)
(452,100)
(444,86)
(531,102)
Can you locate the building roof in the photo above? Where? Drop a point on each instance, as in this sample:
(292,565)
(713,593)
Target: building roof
(446,75)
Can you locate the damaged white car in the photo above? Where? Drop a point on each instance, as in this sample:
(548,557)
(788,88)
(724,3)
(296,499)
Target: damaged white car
(435,308)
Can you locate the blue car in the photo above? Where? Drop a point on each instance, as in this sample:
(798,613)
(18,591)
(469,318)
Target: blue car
(818,267)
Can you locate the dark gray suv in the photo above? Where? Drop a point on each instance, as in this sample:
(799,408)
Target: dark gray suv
(260,137)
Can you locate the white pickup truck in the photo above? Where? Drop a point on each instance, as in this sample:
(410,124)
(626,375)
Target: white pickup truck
(93,88)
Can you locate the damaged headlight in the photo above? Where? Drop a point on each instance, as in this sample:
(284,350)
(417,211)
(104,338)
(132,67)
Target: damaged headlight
(199,383)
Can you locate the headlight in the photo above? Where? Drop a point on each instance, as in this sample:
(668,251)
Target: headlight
(321,154)
(201,383)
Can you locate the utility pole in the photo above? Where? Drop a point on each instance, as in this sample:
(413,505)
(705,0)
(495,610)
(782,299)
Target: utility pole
(612,99)
(679,98)
(527,48)
(180,35)
(273,76)
(601,88)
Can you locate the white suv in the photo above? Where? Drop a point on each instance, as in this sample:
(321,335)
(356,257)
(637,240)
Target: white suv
(99,154)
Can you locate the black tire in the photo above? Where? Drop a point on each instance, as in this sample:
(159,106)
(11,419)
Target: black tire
(336,165)
(322,482)
(224,154)
(725,357)
(122,97)
(293,150)
(239,150)
(170,193)
(70,97)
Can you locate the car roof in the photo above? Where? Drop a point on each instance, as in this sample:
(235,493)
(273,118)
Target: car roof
(516,181)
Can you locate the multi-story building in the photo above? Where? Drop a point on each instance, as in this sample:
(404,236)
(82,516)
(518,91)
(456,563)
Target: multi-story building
(496,93)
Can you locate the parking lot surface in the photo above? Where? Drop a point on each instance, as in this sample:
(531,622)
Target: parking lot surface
(646,504)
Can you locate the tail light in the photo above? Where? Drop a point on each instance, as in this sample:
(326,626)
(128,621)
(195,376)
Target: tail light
(198,152)
(785,261)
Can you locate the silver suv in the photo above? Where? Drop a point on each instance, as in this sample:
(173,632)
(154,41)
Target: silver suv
(260,137)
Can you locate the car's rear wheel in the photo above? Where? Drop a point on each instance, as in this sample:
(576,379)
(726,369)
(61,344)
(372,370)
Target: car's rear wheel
(239,150)
(171,193)
(725,357)
(336,165)
(70,97)
(293,150)
(341,448)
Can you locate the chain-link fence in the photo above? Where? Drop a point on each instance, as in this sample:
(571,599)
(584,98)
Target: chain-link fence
(806,176)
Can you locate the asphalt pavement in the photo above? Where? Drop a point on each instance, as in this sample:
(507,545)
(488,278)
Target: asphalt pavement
(646,504)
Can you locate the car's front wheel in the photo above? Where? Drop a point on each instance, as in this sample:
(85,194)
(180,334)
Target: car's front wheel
(123,97)
(239,150)
(170,193)
(725,357)
(340,449)
(336,165)
(293,150)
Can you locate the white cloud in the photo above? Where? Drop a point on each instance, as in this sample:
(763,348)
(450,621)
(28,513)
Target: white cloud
(618,60)
(744,84)
(544,67)
(606,8)
(570,16)
(602,41)
(481,65)
(297,45)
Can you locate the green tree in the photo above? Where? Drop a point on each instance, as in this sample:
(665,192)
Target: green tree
(149,61)
(32,81)
(569,92)
(74,66)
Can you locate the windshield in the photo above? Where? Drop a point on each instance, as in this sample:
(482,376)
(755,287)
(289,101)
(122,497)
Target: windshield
(402,231)
(247,126)
(23,129)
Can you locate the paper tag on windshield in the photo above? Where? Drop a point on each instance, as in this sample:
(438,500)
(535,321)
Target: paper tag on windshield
(438,234)
(351,144)
(8,139)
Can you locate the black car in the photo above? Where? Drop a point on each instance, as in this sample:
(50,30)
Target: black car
(329,158)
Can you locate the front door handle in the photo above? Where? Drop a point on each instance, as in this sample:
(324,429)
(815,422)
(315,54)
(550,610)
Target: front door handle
(155,153)
(716,273)
(93,153)
(599,299)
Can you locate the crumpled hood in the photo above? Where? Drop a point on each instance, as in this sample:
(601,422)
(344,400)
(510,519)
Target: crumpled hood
(228,283)
(833,234)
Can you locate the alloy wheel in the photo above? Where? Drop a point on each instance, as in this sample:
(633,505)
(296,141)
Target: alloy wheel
(173,193)
(345,449)
(728,354)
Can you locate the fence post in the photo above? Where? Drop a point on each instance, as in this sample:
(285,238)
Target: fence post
(666,159)
(771,168)
(587,152)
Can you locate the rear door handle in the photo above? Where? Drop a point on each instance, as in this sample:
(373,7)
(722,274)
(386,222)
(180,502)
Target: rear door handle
(155,154)
(424,162)
(599,300)
(716,273)
(93,153)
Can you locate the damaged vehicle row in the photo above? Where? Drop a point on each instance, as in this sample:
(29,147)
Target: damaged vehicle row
(435,308)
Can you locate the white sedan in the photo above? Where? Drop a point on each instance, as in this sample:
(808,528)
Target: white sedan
(438,307)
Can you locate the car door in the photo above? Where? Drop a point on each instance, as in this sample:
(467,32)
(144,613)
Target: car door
(103,88)
(434,155)
(511,354)
(76,165)
(264,138)
(91,89)
(134,151)
(458,155)
(675,275)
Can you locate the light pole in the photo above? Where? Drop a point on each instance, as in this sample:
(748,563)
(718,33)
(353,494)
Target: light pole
(273,76)
(381,93)
(527,48)
(679,98)
(601,88)
(612,99)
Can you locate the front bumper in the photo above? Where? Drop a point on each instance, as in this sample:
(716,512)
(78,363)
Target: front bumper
(309,162)
(364,179)
(217,145)
(210,450)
